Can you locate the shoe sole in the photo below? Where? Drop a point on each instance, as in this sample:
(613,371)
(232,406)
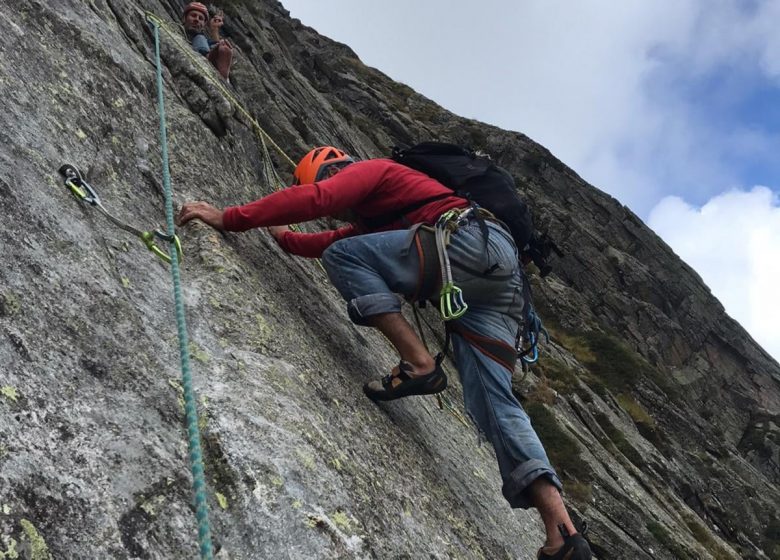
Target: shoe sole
(440,384)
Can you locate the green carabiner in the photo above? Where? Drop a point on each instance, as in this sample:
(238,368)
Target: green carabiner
(451,303)
(148,237)
(77,191)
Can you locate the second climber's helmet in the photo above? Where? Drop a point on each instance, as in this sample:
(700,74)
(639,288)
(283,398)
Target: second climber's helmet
(314,165)
(197,6)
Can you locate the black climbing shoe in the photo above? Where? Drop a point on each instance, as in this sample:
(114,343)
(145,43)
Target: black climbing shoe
(386,390)
(575,547)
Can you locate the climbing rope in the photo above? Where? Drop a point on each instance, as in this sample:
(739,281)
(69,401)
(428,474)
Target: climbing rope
(269,171)
(191,413)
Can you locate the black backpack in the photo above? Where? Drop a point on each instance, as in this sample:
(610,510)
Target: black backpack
(477,179)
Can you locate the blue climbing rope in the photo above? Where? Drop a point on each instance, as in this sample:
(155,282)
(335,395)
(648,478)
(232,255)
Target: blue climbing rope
(191,412)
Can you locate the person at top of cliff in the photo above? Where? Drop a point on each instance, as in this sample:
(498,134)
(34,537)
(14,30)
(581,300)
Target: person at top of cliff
(370,264)
(196,26)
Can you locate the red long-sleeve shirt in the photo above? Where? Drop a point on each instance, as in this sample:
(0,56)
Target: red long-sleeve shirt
(369,188)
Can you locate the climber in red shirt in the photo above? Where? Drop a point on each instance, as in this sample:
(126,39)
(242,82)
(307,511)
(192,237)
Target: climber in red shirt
(369,264)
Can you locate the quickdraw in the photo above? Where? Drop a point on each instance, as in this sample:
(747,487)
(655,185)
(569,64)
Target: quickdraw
(451,303)
(84,192)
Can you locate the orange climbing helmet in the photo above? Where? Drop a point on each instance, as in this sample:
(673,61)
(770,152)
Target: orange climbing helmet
(314,165)
(198,7)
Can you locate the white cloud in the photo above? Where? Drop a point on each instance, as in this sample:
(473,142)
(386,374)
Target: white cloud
(607,88)
(733,242)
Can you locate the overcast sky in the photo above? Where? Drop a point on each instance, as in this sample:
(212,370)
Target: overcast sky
(673,107)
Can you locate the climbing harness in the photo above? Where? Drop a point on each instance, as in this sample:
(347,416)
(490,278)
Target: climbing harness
(86,193)
(190,408)
(432,245)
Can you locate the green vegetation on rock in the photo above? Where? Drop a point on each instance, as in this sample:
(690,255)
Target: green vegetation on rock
(9,392)
(663,536)
(38,548)
(619,440)
(706,538)
(562,450)
(613,365)
(561,377)
(9,304)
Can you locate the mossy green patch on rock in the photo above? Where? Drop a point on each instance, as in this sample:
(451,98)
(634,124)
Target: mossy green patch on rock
(576,344)
(38,548)
(541,393)
(342,521)
(612,364)
(198,354)
(619,439)
(306,459)
(644,422)
(663,536)
(580,492)
(706,538)
(152,504)
(177,386)
(637,412)
(561,377)
(562,449)
(9,393)
(262,331)
(221,475)
(9,304)
(9,543)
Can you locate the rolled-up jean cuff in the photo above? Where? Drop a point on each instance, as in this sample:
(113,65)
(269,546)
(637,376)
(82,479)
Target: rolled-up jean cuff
(362,308)
(522,477)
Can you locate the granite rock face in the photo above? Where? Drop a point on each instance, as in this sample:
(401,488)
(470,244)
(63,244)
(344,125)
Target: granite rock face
(659,411)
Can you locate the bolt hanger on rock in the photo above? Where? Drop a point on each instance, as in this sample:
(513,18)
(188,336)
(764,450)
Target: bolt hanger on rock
(87,194)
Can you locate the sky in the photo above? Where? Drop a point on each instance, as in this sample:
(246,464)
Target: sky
(672,107)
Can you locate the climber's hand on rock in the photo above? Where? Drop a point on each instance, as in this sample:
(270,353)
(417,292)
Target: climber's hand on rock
(202,211)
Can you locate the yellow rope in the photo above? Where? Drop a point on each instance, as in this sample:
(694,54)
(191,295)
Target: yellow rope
(198,61)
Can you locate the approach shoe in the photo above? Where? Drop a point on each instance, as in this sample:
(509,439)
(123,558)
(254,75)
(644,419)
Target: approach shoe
(575,547)
(404,384)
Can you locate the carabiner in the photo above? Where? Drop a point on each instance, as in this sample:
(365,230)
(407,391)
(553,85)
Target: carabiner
(533,350)
(78,186)
(148,238)
(451,303)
